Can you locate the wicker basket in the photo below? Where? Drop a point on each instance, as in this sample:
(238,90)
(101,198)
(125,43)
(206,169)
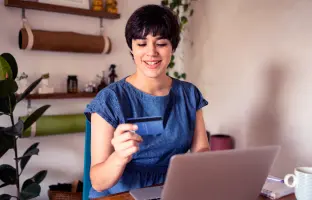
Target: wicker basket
(60,195)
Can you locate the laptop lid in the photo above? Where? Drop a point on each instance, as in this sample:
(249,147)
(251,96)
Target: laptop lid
(228,174)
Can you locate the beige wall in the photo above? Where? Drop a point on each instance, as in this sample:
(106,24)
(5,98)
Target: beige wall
(252,60)
(62,155)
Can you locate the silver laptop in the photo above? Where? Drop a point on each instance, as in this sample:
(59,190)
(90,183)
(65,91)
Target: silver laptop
(237,174)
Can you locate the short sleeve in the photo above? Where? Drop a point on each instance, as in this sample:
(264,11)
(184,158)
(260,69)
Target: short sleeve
(106,105)
(200,101)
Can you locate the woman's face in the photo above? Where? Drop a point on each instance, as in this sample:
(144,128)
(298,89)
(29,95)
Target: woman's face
(152,55)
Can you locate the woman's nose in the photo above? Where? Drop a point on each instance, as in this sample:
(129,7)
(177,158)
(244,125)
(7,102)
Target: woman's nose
(151,50)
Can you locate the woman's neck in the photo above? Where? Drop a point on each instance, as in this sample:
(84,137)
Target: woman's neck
(154,86)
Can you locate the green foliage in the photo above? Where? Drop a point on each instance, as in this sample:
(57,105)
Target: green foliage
(10,175)
(176,6)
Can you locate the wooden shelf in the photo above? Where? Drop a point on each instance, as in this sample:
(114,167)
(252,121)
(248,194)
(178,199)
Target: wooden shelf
(61,96)
(59,9)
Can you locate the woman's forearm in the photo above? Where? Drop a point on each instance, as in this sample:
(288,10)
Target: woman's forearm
(106,174)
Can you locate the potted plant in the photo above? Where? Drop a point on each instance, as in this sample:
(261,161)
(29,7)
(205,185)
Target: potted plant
(10,175)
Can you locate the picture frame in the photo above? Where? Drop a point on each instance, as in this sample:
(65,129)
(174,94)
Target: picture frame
(83,4)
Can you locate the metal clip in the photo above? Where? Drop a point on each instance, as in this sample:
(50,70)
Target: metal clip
(23,13)
(101,26)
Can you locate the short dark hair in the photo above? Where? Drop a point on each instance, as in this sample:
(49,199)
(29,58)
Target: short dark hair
(155,20)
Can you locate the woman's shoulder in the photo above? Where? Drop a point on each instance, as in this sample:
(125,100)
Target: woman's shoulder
(185,85)
(115,89)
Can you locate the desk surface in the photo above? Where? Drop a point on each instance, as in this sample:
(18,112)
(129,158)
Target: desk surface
(127,196)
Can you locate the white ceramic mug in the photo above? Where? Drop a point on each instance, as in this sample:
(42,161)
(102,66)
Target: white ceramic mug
(302,181)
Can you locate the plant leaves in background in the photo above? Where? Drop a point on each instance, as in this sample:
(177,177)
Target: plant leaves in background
(176,74)
(5,104)
(7,174)
(32,152)
(15,130)
(35,179)
(35,116)
(5,197)
(31,87)
(40,176)
(171,64)
(25,160)
(191,13)
(31,191)
(185,7)
(27,183)
(7,87)
(183,76)
(6,143)
(164,3)
(12,62)
(183,20)
(5,69)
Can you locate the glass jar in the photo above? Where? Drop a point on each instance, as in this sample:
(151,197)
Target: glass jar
(72,84)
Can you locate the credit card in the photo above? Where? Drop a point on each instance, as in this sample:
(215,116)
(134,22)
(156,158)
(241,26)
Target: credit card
(148,125)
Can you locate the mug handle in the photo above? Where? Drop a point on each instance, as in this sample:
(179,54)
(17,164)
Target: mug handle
(286,180)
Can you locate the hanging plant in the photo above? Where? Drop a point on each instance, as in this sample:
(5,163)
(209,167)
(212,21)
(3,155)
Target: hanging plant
(183,10)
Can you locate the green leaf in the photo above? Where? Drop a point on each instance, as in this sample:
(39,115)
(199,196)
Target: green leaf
(6,143)
(35,179)
(191,13)
(3,185)
(185,7)
(176,74)
(171,65)
(35,116)
(30,88)
(25,160)
(5,197)
(164,3)
(12,62)
(27,183)
(31,191)
(5,103)
(5,69)
(40,176)
(172,5)
(8,174)
(7,87)
(28,154)
(183,20)
(15,130)
(172,58)
(183,76)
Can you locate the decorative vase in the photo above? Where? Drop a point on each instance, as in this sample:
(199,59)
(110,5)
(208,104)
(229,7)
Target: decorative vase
(221,142)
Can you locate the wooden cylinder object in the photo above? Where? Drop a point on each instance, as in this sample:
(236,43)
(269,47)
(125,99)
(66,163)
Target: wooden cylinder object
(64,41)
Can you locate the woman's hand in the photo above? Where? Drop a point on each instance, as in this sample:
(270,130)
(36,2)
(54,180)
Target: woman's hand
(126,142)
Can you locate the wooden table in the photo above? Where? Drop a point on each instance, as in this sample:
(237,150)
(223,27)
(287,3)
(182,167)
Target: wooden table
(127,196)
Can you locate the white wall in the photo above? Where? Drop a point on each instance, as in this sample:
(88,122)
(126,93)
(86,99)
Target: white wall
(62,155)
(252,61)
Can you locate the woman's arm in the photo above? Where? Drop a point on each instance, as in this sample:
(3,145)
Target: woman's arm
(108,161)
(200,140)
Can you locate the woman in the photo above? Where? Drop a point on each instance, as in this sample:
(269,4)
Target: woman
(121,159)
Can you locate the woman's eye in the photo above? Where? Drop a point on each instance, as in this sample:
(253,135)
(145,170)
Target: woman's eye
(162,44)
(141,45)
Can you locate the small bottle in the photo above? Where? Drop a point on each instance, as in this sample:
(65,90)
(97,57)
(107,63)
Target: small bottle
(103,83)
(72,84)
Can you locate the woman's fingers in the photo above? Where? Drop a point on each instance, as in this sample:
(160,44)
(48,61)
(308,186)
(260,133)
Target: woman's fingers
(124,128)
(127,145)
(127,136)
(129,152)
